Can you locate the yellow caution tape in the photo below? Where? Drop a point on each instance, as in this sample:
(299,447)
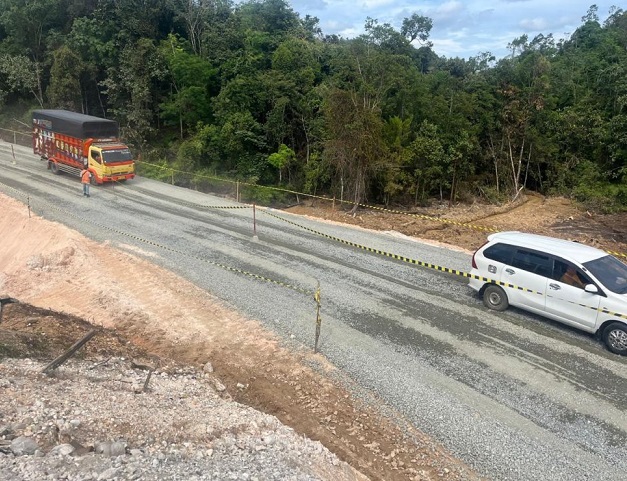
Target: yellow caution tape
(433,266)
(366,206)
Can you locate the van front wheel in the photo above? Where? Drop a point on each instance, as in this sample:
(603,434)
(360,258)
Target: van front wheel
(615,338)
(495,298)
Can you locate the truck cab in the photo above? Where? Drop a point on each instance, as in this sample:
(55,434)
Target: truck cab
(109,162)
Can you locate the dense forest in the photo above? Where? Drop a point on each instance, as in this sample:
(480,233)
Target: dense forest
(254,91)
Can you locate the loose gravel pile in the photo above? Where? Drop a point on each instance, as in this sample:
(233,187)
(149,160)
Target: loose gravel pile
(95,421)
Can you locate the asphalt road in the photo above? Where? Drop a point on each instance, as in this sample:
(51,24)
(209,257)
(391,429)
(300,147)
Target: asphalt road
(513,395)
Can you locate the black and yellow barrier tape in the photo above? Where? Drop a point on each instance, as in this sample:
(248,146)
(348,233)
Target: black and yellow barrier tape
(195,205)
(432,218)
(341,201)
(366,206)
(170,249)
(408,260)
(436,267)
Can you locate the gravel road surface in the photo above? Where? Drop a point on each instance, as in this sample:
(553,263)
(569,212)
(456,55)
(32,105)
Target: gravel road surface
(515,396)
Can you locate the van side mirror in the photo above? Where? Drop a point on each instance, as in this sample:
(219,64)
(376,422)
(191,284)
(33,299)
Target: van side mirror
(591,288)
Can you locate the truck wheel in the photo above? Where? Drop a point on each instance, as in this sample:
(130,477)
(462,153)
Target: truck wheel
(495,298)
(92,180)
(54,167)
(615,338)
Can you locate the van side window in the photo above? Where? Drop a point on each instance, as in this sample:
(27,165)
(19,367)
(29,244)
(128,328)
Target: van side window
(533,262)
(569,274)
(500,253)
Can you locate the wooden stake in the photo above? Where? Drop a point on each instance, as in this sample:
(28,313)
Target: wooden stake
(318,318)
(147,380)
(70,352)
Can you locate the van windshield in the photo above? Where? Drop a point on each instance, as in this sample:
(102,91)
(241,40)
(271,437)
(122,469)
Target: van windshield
(611,272)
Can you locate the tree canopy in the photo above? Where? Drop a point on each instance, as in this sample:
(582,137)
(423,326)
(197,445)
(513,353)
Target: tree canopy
(257,92)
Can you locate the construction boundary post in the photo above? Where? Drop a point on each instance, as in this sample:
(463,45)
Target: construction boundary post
(254,222)
(70,352)
(318,318)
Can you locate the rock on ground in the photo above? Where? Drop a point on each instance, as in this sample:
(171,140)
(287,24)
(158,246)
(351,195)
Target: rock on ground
(89,421)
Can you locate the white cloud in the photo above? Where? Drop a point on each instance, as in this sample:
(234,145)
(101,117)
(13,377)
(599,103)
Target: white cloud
(370,4)
(448,8)
(533,24)
(306,6)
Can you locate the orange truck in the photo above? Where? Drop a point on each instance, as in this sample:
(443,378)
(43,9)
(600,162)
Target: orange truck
(70,142)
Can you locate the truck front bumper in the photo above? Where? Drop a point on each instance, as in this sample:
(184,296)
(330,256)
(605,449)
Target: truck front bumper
(116,178)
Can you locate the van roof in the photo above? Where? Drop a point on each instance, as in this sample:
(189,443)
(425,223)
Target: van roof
(567,249)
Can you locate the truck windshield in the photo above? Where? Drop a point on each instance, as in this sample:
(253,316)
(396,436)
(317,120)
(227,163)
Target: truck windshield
(611,272)
(118,155)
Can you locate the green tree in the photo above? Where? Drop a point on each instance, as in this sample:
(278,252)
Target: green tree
(133,89)
(295,101)
(392,176)
(243,145)
(417,27)
(355,144)
(282,159)
(275,17)
(20,75)
(192,80)
(65,89)
(427,162)
(28,26)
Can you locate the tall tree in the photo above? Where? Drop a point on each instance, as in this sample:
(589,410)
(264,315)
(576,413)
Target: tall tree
(20,75)
(417,27)
(191,79)
(133,89)
(65,90)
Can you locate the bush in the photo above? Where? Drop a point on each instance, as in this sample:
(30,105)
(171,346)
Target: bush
(602,197)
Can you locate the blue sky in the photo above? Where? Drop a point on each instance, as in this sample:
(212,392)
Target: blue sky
(460,28)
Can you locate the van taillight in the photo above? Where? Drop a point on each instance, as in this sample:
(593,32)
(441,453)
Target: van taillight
(474,263)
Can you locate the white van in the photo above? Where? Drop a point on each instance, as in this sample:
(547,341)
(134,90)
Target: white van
(572,283)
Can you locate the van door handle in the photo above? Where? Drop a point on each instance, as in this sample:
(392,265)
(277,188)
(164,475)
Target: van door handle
(510,271)
(556,287)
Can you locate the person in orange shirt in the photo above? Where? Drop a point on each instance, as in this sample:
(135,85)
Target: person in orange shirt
(571,277)
(85,179)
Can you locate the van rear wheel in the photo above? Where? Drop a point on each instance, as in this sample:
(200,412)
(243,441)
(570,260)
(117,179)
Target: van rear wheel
(615,338)
(495,298)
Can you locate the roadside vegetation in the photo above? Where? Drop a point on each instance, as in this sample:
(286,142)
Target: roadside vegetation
(257,92)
